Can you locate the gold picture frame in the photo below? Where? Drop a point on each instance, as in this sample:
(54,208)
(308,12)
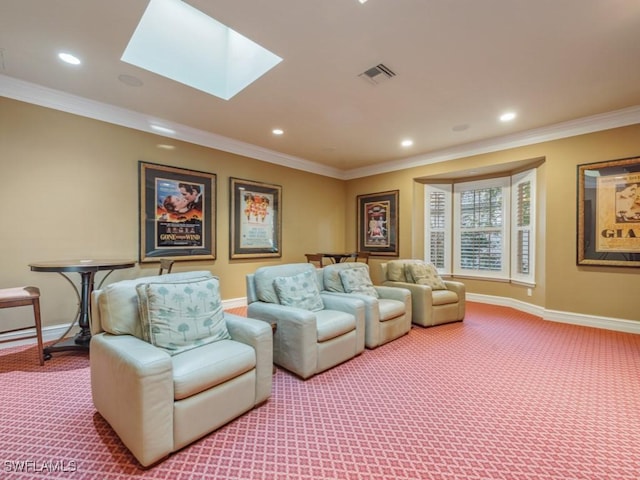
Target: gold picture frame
(177,213)
(609,213)
(255,215)
(378,223)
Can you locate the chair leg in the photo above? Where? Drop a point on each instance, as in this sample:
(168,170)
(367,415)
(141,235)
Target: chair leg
(36,314)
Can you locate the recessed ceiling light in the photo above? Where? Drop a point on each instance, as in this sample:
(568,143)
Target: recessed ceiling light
(507,117)
(277,131)
(406,143)
(160,129)
(362,1)
(164,146)
(68,58)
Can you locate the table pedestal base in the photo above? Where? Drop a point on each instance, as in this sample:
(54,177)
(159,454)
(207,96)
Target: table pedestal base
(79,343)
(87,270)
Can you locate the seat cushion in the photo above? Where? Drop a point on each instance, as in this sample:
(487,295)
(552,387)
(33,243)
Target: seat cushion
(444,297)
(209,365)
(390,309)
(182,315)
(300,290)
(333,323)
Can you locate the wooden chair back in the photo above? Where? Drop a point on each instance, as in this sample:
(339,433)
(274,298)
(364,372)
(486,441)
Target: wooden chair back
(165,265)
(362,257)
(315,259)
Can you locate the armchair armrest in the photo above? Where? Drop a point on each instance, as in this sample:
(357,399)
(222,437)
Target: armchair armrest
(371,308)
(294,346)
(256,334)
(347,304)
(421,299)
(401,294)
(132,388)
(460,289)
(457,287)
(352,305)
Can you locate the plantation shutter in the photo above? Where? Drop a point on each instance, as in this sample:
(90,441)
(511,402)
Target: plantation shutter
(481,236)
(523,236)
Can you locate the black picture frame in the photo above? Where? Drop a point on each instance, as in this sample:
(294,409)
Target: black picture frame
(177,213)
(378,223)
(255,217)
(608,211)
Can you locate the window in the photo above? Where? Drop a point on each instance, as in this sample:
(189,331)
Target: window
(522,238)
(439,226)
(483,228)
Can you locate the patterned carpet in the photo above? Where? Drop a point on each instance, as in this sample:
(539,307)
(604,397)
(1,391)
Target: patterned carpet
(503,395)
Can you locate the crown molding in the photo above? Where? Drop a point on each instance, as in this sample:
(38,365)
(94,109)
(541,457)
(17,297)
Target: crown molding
(581,126)
(46,97)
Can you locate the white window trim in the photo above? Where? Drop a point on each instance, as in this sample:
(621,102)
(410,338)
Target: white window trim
(447,190)
(526,176)
(510,232)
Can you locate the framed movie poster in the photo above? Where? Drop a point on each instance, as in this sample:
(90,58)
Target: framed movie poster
(255,217)
(378,223)
(177,213)
(609,213)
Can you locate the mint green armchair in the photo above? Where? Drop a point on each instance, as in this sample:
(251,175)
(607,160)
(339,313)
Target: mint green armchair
(158,400)
(387,309)
(314,331)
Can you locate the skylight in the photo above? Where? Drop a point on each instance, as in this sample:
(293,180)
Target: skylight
(180,42)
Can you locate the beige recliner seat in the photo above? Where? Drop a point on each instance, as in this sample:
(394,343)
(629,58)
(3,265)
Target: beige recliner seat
(314,331)
(387,309)
(168,366)
(434,301)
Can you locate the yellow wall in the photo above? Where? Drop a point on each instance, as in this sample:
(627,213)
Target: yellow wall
(70,191)
(561,284)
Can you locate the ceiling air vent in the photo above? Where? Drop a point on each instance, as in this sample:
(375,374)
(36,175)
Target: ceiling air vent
(377,74)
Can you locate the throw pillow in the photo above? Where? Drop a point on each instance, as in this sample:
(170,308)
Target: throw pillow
(426,274)
(395,271)
(299,291)
(119,304)
(181,316)
(357,280)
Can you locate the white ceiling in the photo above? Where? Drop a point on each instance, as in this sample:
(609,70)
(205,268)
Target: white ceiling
(559,64)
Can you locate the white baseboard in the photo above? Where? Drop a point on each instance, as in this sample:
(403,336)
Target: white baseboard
(606,323)
(617,324)
(49,334)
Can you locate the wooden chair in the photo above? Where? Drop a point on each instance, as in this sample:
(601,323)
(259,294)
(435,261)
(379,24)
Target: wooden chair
(20,297)
(362,257)
(315,259)
(165,265)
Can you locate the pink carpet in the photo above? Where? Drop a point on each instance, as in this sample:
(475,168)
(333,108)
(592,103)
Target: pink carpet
(503,395)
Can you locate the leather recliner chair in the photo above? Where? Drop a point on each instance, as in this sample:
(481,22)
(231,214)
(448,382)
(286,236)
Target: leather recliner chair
(431,306)
(158,402)
(311,336)
(387,309)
